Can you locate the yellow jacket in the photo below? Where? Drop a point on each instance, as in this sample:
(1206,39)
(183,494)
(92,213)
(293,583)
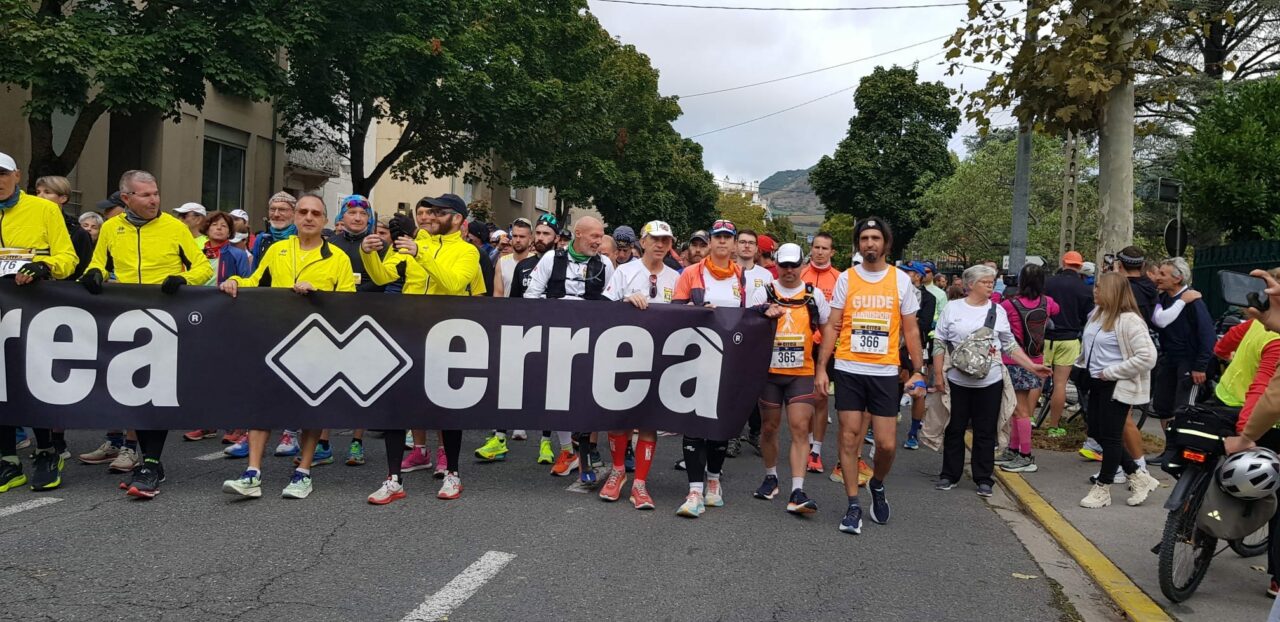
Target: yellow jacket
(37,224)
(452,265)
(147,255)
(384,270)
(286,264)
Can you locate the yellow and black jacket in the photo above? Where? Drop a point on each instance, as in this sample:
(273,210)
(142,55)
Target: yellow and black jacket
(147,255)
(286,264)
(37,225)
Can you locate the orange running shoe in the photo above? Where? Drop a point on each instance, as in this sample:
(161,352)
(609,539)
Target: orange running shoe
(566,462)
(233,437)
(613,486)
(199,435)
(815,463)
(837,474)
(640,497)
(864,472)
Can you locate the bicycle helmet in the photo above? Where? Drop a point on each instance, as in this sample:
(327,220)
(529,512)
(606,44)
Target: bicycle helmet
(1250,475)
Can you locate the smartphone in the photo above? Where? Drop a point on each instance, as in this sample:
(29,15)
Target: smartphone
(1243,290)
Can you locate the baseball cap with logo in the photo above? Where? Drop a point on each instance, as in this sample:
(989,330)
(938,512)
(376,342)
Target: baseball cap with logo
(656,229)
(789,255)
(722,227)
(700,235)
(189,208)
(1072,258)
(7,164)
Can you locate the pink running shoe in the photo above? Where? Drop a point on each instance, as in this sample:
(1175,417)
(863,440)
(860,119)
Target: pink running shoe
(416,460)
(442,463)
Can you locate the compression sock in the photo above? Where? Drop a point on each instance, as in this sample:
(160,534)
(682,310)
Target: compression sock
(644,459)
(618,450)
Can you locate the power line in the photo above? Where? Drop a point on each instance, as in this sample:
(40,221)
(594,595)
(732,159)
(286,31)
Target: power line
(783,8)
(811,72)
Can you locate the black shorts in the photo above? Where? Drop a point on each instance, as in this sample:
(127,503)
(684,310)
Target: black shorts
(877,395)
(782,389)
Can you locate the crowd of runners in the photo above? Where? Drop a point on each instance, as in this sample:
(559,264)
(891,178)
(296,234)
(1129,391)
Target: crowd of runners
(877,339)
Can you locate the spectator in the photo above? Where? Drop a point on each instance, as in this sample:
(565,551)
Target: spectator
(1029,311)
(698,247)
(280,226)
(1186,347)
(1062,342)
(91,222)
(767,246)
(58,190)
(476,233)
(193,215)
(226,259)
(111,206)
(625,239)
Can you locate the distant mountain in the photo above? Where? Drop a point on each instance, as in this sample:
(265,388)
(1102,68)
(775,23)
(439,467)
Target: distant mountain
(789,194)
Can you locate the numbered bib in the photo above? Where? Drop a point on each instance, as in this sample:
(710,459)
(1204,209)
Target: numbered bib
(12,260)
(788,351)
(869,337)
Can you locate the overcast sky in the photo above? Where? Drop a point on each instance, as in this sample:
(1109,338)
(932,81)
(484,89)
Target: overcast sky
(699,50)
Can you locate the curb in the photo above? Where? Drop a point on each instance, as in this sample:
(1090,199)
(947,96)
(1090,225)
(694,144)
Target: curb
(1135,603)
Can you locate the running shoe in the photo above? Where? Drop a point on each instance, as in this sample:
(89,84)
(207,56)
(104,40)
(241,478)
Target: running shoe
(864,472)
(613,485)
(815,463)
(768,488)
(852,521)
(911,443)
(800,503)
(519,435)
(715,494)
(355,453)
(451,488)
(442,464)
(1273,589)
(391,490)
(288,444)
(1006,456)
(629,459)
(944,484)
(596,462)
(545,454)
(837,474)
(416,460)
(640,498)
(1118,478)
(879,505)
(1089,454)
(11,476)
(679,466)
(566,462)
(733,448)
(299,486)
(125,461)
(323,456)
(239,450)
(493,450)
(693,506)
(106,452)
(24,441)
(234,436)
(587,478)
(199,435)
(1021,464)
(870,438)
(249,485)
(1056,432)
(146,480)
(984,490)
(46,470)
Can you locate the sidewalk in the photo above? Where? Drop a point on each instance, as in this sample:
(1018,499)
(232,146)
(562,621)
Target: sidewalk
(1232,590)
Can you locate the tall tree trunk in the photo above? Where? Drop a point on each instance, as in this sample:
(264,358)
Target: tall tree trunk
(44,160)
(1115,175)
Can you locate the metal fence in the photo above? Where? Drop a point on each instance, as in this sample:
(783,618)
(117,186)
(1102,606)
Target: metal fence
(1238,257)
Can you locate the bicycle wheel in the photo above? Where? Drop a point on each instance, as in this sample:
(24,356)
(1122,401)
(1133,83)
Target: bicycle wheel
(1042,411)
(1185,550)
(1252,545)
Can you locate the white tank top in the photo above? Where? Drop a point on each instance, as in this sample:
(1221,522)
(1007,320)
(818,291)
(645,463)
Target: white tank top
(508,263)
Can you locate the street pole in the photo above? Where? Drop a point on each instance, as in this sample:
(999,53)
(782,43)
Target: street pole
(1022,176)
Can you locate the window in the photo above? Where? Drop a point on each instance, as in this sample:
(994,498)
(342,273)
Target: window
(468,192)
(541,197)
(223,177)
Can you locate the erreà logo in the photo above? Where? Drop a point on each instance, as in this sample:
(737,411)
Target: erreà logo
(315,360)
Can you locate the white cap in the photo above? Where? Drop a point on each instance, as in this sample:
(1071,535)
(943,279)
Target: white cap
(7,164)
(789,253)
(187,208)
(656,229)
(241,214)
(1089,268)
(497,235)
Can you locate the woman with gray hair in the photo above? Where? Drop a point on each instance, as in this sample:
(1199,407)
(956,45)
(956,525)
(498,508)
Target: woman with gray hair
(92,223)
(978,327)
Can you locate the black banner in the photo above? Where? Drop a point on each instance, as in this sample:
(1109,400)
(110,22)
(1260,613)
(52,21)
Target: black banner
(136,358)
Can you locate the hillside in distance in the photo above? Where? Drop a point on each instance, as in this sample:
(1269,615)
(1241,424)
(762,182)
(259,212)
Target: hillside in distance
(789,194)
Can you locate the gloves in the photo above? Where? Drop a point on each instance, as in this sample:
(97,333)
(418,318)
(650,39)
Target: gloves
(171,284)
(37,270)
(402,225)
(92,281)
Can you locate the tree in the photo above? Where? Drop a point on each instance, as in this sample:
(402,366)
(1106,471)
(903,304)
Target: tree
(967,214)
(87,59)
(840,226)
(1231,167)
(737,207)
(782,230)
(898,136)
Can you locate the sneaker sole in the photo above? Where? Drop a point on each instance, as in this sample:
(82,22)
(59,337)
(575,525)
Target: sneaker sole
(692,514)
(14,483)
(107,460)
(813,470)
(1022,469)
(481,459)
(142,494)
(768,497)
(411,469)
(801,509)
(50,486)
(572,467)
(984,494)
(122,469)
(286,495)
(351,462)
(449,497)
(248,494)
(395,497)
(851,530)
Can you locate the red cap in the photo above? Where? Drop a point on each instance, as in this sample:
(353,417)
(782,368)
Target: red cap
(1072,258)
(765,244)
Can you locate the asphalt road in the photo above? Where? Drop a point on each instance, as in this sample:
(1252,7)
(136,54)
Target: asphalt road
(194,553)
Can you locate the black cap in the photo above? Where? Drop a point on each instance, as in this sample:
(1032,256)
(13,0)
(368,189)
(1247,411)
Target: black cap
(447,201)
(112,201)
(478,230)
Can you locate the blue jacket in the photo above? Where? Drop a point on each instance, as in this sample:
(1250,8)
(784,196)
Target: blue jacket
(233,262)
(1190,337)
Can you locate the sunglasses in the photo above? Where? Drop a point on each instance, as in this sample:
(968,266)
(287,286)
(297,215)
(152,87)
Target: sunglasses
(724,224)
(789,266)
(357,203)
(653,286)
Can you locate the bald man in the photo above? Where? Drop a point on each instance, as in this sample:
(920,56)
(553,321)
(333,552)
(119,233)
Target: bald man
(608,248)
(579,272)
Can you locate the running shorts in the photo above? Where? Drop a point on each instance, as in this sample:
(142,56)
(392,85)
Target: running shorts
(877,395)
(780,389)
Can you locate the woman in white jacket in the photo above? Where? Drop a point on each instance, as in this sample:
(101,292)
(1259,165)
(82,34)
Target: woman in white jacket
(1118,355)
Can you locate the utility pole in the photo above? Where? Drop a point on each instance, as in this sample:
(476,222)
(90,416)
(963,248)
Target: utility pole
(1022,173)
(1070,182)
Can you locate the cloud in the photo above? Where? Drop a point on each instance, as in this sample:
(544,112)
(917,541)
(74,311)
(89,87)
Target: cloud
(700,50)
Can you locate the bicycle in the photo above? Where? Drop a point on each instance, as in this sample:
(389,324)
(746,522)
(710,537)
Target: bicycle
(1046,395)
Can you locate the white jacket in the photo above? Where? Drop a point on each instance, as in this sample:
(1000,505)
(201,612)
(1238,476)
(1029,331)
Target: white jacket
(1133,376)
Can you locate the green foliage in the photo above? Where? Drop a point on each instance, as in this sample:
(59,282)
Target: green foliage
(91,58)
(782,230)
(737,207)
(840,226)
(1231,166)
(897,138)
(968,215)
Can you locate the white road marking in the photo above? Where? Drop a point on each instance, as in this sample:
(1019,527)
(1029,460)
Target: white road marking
(217,455)
(438,606)
(28,505)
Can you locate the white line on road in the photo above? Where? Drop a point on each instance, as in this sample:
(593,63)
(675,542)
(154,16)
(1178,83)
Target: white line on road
(438,606)
(217,455)
(28,505)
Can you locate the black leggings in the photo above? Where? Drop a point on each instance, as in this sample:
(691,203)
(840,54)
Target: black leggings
(393,440)
(452,447)
(1106,422)
(151,443)
(702,456)
(9,439)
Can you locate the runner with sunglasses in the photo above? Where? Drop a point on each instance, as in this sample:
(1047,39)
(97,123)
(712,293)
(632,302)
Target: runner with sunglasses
(640,283)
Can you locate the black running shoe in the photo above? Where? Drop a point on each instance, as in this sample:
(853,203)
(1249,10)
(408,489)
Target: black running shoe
(879,505)
(11,476)
(46,470)
(146,480)
(800,503)
(768,489)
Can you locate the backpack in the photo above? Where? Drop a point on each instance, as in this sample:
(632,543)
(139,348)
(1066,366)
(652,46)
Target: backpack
(809,303)
(976,353)
(1034,323)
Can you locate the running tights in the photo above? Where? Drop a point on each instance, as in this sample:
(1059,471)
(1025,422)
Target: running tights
(452,447)
(393,440)
(151,443)
(702,456)
(9,439)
